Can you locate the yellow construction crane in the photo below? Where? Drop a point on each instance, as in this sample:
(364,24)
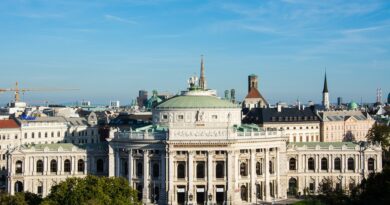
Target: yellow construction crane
(18,90)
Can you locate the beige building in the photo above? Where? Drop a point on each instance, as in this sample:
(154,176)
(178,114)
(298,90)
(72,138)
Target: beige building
(298,124)
(344,163)
(348,125)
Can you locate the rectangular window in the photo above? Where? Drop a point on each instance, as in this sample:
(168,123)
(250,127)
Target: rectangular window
(311,187)
(40,190)
(180,117)
(165,117)
(214,117)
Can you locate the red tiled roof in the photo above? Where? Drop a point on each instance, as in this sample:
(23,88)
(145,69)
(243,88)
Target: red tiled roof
(253,93)
(4,124)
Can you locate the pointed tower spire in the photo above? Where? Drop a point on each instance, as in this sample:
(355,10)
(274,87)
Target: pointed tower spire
(325,85)
(325,95)
(202,79)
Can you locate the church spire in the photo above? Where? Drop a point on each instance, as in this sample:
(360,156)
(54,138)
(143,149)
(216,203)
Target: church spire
(325,85)
(202,79)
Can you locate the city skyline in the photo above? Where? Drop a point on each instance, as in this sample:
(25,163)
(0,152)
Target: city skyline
(112,50)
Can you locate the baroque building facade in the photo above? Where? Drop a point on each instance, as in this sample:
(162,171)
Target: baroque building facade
(198,151)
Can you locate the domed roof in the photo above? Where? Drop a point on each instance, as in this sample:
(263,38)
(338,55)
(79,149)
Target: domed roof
(195,101)
(154,100)
(352,105)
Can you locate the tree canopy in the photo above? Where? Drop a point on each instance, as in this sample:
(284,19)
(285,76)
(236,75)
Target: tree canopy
(92,190)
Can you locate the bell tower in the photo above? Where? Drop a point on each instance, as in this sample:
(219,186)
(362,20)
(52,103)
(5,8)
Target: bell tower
(252,82)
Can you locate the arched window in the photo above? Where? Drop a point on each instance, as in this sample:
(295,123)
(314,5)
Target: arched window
(351,164)
(271,167)
(181,170)
(156,170)
(293,164)
(140,169)
(324,164)
(58,134)
(243,169)
(259,168)
(200,172)
(219,170)
(67,166)
(45,134)
(80,165)
(244,193)
(310,163)
(53,165)
(99,166)
(371,164)
(39,134)
(19,167)
(19,186)
(39,167)
(337,164)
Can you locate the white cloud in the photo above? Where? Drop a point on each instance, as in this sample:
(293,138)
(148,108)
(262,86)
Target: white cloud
(119,19)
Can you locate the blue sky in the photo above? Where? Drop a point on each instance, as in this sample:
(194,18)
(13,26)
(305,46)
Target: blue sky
(112,49)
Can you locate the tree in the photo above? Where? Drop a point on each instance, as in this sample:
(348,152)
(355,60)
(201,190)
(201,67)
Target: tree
(92,190)
(330,195)
(22,198)
(375,189)
(381,134)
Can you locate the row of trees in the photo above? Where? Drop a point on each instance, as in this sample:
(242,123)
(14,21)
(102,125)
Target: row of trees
(373,190)
(91,190)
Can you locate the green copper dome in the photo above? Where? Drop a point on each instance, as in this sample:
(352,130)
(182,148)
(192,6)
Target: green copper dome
(352,105)
(191,101)
(153,101)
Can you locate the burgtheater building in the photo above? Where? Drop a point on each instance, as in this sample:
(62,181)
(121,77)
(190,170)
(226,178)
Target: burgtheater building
(198,151)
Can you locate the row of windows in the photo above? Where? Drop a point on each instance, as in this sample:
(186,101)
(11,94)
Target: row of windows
(53,167)
(301,128)
(181,117)
(201,170)
(140,169)
(341,127)
(336,164)
(280,119)
(317,138)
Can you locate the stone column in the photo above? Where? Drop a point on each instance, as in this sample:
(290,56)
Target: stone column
(229,174)
(252,189)
(117,163)
(277,173)
(210,174)
(86,162)
(111,161)
(46,168)
(267,188)
(190,167)
(330,163)
(356,163)
(171,170)
(130,167)
(145,192)
(163,181)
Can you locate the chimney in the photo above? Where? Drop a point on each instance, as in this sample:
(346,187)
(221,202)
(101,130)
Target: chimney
(279,107)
